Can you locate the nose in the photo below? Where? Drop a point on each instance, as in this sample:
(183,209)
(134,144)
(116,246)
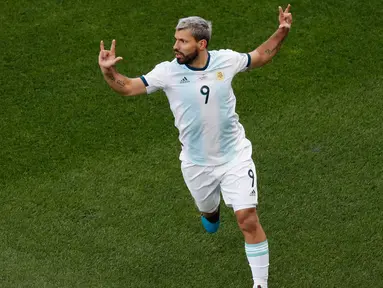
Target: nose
(175,46)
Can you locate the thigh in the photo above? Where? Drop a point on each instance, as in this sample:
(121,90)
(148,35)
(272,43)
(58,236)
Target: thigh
(203,186)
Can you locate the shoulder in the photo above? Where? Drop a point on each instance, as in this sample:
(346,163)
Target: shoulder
(223,53)
(161,69)
(170,67)
(163,65)
(231,59)
(228,53)
(223,57)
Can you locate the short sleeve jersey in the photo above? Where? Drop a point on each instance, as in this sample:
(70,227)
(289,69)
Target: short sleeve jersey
(203,104)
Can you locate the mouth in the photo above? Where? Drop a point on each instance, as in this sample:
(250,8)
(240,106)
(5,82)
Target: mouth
(178,55)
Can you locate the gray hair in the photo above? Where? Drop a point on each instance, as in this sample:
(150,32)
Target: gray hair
(199,27)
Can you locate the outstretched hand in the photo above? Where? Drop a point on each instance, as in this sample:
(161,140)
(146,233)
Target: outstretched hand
(107,58)
(285,17)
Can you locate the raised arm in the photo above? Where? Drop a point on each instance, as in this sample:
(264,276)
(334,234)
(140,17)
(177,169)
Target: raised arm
(119,83)
(265,52)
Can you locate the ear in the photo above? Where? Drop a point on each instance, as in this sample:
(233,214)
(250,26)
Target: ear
(202,44)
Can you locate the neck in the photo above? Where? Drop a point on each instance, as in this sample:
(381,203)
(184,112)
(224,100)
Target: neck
(200,61)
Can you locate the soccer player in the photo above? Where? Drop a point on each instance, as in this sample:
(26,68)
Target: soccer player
(215,156)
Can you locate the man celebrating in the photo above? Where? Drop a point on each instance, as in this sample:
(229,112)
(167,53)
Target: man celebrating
(215,156)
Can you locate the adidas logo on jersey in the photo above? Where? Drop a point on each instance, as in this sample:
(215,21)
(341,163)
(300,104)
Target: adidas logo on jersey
(253,193)
(184,80)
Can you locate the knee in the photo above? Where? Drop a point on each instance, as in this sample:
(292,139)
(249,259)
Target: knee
(248,220)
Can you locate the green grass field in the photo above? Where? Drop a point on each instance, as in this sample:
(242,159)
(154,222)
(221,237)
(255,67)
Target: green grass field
(91,193)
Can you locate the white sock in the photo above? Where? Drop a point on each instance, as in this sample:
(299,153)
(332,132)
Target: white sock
(258,257)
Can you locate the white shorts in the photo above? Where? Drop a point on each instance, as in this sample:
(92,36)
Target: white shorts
(236,180)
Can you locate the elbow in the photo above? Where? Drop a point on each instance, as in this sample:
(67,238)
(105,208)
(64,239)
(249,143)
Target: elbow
(267,61)
(126,92)
(123,91)
(260,63)
(126,88)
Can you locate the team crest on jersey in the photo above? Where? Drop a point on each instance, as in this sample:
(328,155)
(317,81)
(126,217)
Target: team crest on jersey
(220,76)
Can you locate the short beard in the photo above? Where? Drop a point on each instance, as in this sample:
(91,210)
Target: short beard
(188,59)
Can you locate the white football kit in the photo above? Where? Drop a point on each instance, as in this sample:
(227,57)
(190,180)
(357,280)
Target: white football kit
(215,153)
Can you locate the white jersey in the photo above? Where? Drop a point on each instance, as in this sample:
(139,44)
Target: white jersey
(203,104)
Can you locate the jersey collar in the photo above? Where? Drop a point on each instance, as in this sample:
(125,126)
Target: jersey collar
(203,68)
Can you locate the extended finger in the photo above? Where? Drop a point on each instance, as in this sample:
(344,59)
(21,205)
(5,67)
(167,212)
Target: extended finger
(113,47)
(102,45)
(280,11)
(288,8)
(118,59)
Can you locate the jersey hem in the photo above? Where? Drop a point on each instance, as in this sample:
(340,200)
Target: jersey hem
(243,145)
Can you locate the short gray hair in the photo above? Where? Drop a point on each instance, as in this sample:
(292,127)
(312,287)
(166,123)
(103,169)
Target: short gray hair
(199,27)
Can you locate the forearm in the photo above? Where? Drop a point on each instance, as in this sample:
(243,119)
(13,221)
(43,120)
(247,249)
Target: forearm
(117,81)
(271,47)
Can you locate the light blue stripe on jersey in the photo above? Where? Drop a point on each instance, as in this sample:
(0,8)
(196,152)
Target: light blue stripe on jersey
(227,138)
(191,116)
